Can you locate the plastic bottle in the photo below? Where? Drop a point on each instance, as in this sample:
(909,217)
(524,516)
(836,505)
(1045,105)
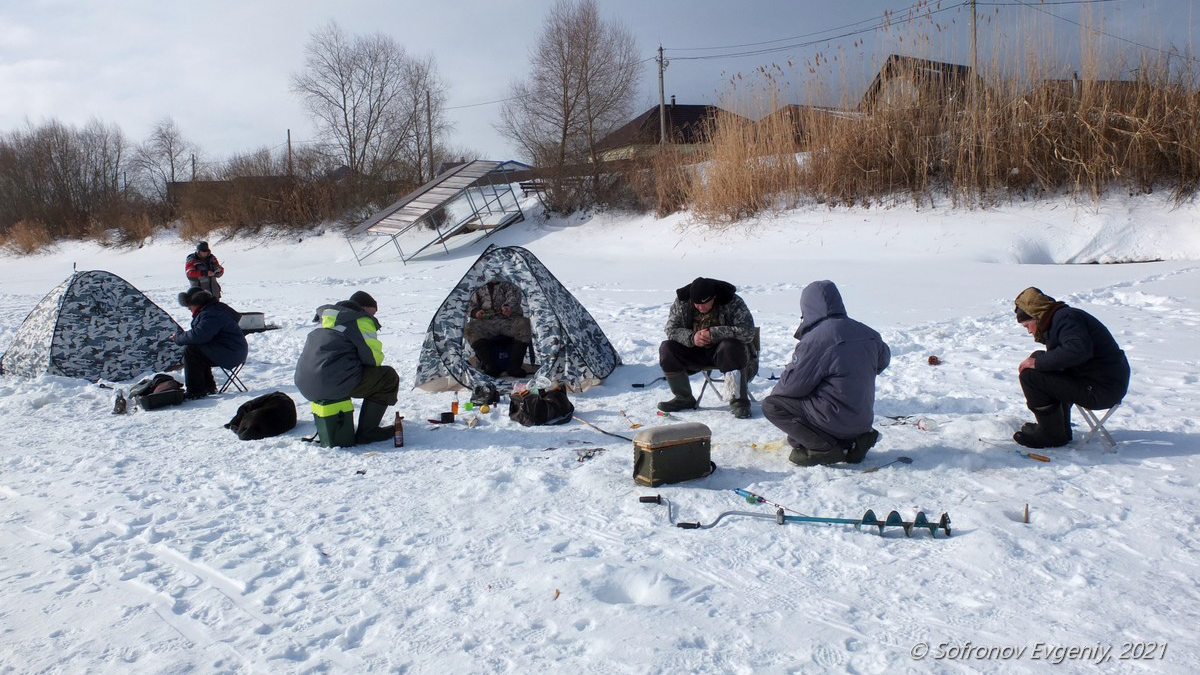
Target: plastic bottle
(119,404)
(454,404)
(399,431)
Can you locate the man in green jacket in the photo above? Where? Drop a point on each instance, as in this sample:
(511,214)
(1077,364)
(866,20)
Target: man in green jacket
(343,358)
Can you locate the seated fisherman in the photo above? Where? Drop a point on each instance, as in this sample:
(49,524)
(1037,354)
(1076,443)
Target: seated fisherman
(494,311)
(1082,364)
(709,327)
(213,340)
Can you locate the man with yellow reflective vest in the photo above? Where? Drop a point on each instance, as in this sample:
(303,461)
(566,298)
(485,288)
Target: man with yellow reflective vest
(343,359)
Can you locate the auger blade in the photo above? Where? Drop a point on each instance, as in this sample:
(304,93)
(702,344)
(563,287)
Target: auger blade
(922,521)
(894,519)
(944,523)
(869,519)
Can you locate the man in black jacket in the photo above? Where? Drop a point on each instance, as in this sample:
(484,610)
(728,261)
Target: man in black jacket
(214,340)
(1082,364)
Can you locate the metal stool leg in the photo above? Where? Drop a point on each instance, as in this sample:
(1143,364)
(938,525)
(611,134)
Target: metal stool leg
(1097,426)
(231,377)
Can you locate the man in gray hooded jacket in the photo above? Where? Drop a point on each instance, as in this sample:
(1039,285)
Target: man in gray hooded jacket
(825,399)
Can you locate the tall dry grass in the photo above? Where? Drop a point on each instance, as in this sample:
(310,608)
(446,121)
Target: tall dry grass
(26,237)
(1007,131)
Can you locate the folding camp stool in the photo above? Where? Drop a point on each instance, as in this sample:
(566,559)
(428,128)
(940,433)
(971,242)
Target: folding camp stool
(710,380)
(232,377)
(1097,426)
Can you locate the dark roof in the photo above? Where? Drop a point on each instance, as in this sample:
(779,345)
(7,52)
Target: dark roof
(949,78)
(685,124)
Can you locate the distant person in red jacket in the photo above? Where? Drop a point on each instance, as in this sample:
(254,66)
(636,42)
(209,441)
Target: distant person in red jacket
(203,270)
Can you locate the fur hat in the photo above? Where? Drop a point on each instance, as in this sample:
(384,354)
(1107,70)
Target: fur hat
(364,300)
(193,297)
(203,246)
(703,290)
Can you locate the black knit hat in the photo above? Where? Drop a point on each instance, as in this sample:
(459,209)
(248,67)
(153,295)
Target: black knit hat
(703,290)
(1022,317)
(203,246)
(364,300)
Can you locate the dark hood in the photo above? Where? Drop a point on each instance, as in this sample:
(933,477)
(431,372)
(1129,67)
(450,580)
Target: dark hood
(725,292)
(819,301)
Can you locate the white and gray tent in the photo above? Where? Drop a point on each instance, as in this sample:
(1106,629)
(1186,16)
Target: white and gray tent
(568,345)
(93,326)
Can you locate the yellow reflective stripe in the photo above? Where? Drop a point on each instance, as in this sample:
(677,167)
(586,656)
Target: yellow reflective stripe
(366,326)
(328,409)
(329,318)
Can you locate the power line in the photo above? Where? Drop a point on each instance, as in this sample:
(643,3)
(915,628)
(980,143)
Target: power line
(1100,32)
(886,23)
(767,42)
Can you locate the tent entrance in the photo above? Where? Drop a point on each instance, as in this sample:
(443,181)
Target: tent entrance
(463,204)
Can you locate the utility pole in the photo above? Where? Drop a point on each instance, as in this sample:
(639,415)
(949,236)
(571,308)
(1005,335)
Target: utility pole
(662,102)
(974,54)
(429,131)
(193,166)
(289,153)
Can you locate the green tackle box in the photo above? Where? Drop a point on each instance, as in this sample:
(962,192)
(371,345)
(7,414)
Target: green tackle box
(672,453)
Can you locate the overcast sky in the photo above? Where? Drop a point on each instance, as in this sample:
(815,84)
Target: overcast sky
(222,68)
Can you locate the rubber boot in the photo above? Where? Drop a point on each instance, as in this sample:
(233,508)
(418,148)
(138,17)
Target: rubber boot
(516,361)
(487,357)
(1049,432)
(857,451)
(369,418)
(739,401)
(1032,427)
(683,393)
(805,457)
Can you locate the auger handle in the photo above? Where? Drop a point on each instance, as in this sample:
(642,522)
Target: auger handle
(688,526)
(650,499)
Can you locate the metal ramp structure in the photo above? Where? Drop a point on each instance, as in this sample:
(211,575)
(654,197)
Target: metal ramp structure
(469,199)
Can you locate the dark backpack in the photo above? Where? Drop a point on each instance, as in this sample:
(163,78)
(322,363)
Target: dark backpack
(549,406)
(156,392)
(268,415)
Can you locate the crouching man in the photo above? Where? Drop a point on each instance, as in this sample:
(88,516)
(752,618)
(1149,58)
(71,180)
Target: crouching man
(825,399)
(709,327)
(343,358)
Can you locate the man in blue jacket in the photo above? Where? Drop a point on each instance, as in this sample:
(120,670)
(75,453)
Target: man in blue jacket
(1082,364)
(213,340)
(343,358)
(825,399)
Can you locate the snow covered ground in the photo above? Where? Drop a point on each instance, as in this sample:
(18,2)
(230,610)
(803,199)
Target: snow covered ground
(158,543)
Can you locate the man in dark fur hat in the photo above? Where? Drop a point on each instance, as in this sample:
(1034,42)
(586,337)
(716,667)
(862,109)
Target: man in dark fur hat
(709,327)
(213,340)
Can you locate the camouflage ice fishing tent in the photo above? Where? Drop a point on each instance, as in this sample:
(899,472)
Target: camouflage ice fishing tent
(94,326)
(569,347)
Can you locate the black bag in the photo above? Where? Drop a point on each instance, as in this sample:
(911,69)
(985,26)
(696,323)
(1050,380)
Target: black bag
(485,394)
(549,406)
(159,391)
(268,415)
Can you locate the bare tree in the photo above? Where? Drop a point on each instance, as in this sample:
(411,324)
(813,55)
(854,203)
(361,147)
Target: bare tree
(367,97)
(163,158)
(583,77)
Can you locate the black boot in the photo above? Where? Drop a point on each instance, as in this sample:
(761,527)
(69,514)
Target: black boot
(805,457)
(516,361)
(739,400)
(369,418)
(487,357)
(1049,431)
(683,393)
(1032,427)
(857,451)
